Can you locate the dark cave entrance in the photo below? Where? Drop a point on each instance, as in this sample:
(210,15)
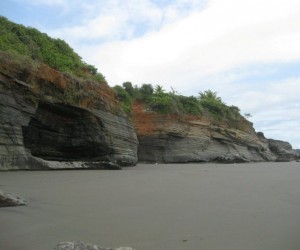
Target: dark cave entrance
(65,133)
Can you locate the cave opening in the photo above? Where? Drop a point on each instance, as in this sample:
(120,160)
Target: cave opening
(65,133)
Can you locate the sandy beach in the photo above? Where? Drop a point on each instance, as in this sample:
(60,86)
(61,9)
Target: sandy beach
(174,206)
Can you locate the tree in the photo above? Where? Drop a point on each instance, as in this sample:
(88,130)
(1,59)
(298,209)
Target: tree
(129,88)
(212,103)
(158,90)
(146,90)
(209,95)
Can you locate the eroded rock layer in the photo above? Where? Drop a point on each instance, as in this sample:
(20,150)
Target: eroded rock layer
(283,150)
(180,139)
(46,123)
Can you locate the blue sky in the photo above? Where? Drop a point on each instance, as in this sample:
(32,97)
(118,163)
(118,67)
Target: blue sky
(247,51)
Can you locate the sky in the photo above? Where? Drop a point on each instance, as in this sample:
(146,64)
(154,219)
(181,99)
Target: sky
(246,51)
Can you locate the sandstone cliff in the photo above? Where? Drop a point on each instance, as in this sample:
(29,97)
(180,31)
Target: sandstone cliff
(174,138)
(53,120)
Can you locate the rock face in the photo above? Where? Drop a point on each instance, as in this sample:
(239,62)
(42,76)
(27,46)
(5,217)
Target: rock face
(182,139)
(10,200)
(46,122)
(283,150)
(85,246)
(58,132)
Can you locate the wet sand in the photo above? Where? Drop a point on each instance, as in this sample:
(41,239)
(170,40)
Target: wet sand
(176,206)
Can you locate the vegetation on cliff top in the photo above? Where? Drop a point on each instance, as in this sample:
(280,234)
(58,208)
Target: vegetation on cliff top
(207,103)
(30,42)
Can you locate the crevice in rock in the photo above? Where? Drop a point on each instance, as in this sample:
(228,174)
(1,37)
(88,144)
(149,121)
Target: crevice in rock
(66,133)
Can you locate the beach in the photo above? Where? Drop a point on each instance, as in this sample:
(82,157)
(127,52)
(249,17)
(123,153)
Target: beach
(156,206)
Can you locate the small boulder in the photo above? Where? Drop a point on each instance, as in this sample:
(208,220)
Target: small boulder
(11,200)
(79,245)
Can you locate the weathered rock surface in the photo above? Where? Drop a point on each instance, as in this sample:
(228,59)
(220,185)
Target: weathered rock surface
(46,122)
(182,139)
(60,132)
(11,200)
(283,150)
(85,246)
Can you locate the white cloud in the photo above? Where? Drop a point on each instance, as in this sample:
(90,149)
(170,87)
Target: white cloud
(274,106)
(226,35)
(44,2)
(112,20)
(272,96)
(101,27)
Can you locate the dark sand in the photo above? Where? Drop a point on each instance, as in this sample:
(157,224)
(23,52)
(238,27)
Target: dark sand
(186,206)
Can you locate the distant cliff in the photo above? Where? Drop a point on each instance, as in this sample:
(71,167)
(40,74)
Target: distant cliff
(188,138)
(50,119)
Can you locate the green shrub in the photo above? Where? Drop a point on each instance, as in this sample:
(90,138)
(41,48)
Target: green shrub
(129,88)
(190,105)
(158,100)
(161,103)
(145,92)
(124,98)
(40,47)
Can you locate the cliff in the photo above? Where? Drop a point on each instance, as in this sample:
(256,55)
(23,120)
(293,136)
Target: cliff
(187,138)
(54,120)
(283,150)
